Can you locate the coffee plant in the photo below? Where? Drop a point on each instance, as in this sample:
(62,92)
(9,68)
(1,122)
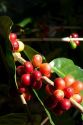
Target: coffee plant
(56,85)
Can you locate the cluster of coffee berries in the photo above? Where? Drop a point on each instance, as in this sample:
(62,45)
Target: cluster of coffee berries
(59,94)
(74,43)
(30,73)
(17,45)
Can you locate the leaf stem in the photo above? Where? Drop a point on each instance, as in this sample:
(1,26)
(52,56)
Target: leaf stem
(22,60)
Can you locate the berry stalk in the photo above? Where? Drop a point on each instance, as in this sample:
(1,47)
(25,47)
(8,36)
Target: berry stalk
(22,61)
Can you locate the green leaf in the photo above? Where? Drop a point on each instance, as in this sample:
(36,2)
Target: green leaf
(14,119)
(64,66)
(46,110)
(5,26)
(24,22)
(5,48)
(29,52)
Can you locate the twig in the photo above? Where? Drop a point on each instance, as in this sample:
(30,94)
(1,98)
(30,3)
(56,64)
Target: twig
(48,80)
(65,39)
(44,121)
(22,60)
(76,104)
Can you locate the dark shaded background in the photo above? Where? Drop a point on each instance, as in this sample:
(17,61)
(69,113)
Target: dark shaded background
(54,13)
(65,12)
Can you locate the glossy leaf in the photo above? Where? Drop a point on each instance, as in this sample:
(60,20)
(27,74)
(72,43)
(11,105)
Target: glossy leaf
(64,66)
(29,52)
(5,47)
(46,110)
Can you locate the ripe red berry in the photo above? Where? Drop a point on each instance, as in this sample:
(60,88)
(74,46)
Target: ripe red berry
(15,45)
(37,60)
(25,79)
(65,104)
(77,86)
(58,94)
(22,90)
(58,110)
(37,84)
(20,70)
(27,96)
(45,69)
(49,89)
(36,75)
(68,91)
(69,80)
(59,83)
(12,37)
(28,67)
(77,98)
(52,103)
(74,35)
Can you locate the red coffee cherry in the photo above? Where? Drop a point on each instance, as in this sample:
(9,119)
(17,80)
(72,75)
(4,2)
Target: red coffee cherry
(27,96)
(12,37)
(77,86)
(25,79)
(65,104)
(37,84)
(15,46)
(28,67)
(52,103)
(49,89)
(68,91)
(37,60)
(58,110)
(36,75)
(75,35)
(58,94)
(45,69)
(69,80)
(20,70)
(22,90)
(59,83)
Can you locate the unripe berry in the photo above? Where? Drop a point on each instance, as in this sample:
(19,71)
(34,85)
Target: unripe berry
(58,94)
(77,86)
(25,79)
(12,37)
(37,60)
(65,104)
(75,35)
(59,83)
(28,67)
(68,91)
(45,69)
(77,98)
(21,46)
(69,80)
